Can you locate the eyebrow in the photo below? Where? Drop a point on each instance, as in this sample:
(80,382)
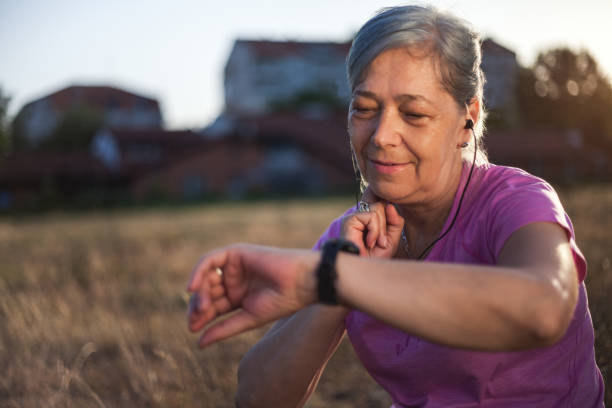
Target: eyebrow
(400,98)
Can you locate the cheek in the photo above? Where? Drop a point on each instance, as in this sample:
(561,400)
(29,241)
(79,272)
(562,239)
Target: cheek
(359,140)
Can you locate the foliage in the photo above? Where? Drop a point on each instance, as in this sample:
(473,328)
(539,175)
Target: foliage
(566,89)
(19,141)
(322,98)
(5,141)
(75,130)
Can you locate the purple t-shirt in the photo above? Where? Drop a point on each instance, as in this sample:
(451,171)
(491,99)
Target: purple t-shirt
(416,373)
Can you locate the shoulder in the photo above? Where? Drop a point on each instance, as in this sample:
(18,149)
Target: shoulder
(510,198)
(510,179)
(333,230)
(498,187)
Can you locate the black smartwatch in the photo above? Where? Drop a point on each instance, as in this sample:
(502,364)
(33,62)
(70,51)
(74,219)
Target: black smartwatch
(326,271)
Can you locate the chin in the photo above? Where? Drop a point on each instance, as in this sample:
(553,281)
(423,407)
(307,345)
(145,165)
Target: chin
(389,192)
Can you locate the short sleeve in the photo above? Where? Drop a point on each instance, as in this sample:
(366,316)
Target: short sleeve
(333,231)
(524,200)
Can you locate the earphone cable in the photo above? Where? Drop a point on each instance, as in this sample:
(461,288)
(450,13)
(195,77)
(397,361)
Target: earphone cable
(460,201)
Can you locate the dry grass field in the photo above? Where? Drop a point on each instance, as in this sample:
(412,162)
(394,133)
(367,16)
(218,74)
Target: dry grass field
(92,306)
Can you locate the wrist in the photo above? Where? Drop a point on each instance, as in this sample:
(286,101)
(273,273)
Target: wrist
(326,273)
(307,282)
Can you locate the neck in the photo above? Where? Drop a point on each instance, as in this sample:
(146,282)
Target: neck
(424,220)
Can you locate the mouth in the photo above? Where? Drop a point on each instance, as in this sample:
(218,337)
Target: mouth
(388,167)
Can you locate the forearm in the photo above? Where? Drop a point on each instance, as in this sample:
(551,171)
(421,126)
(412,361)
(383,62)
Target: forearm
(468,306)
(283,368)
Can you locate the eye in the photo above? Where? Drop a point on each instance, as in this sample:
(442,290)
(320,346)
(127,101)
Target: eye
(362,111)
(414,117)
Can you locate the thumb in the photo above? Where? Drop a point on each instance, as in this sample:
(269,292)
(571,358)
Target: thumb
(395,223)
(239,322)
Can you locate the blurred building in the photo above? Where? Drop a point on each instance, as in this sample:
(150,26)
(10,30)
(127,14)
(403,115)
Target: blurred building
(555,155)
(29,179)
(283,131)
(132,151)
(114,107)
(261,76)
(501,71)
(276,153)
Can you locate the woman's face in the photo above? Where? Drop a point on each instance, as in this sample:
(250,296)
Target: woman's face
(405,129)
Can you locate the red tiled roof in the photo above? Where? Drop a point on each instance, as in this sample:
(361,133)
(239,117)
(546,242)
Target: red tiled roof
(265,48)
(268,48)
(98,97)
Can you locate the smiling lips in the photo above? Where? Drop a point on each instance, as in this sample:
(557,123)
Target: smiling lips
(386,167)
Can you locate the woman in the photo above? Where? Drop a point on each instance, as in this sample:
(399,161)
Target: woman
(468,290)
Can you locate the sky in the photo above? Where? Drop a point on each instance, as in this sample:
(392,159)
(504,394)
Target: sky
(175,51)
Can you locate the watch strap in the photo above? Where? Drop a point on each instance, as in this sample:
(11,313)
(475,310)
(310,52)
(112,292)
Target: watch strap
(326,271)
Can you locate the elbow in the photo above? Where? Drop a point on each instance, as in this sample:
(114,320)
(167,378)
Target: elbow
(554,313)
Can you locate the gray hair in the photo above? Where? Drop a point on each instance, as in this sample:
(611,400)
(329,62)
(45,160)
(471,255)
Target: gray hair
(453,43)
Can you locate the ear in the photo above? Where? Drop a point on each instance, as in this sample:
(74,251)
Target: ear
(472,113)
(473,110)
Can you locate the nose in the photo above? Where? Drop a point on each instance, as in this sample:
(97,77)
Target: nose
(387,130)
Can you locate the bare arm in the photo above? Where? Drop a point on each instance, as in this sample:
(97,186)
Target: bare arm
(526,301)
(283,368)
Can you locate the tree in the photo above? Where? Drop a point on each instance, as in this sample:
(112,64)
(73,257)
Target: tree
(566,89)
(75,130)
(5,140)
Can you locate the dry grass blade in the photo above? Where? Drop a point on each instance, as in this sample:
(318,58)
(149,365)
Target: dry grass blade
(93,305)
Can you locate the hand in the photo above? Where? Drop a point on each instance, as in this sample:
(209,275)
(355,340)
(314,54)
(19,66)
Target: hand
(262,283)
(377,233)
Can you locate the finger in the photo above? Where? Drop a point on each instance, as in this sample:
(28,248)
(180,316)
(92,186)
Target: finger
(203,292)
(216,292)
(373,228)
(353,229)
(395,225)
(210,261)
(215,278)
(375,221)
(238,323)
(222,306)
(218,308)
(379,211)
(191,309)
(395,222)
(200,306)
(198,320)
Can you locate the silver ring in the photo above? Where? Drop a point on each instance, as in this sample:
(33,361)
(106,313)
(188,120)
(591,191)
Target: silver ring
(363,207)
(219,271)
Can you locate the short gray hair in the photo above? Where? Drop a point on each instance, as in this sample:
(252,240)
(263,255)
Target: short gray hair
(456,48)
